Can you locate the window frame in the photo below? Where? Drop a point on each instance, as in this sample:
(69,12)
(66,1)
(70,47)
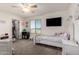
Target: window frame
(35,26)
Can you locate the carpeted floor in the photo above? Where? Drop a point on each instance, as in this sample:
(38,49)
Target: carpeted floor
(26,47)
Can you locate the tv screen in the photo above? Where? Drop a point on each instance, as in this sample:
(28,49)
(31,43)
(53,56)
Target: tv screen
(54,21)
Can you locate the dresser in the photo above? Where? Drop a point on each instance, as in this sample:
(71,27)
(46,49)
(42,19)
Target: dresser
(5,47)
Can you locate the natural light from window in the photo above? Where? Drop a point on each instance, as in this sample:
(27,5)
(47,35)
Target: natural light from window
(35,26)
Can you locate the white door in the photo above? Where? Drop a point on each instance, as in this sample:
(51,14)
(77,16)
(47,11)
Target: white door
(76,30)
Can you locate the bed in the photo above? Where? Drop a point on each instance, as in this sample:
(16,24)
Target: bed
(50,40)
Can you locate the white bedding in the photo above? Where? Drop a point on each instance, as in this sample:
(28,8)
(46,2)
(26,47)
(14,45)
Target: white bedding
(50,38)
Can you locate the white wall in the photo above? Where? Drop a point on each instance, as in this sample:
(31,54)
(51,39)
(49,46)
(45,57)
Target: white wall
(6,26)
(51,30)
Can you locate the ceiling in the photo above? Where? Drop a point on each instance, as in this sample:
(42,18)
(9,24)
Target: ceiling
(43,8)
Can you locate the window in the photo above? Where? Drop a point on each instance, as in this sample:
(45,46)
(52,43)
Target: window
(35,26)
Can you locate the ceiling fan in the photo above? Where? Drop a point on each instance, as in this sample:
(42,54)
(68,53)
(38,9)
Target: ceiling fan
(26,7)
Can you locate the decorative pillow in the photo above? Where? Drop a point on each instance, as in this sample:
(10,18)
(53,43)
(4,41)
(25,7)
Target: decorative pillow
(66,35)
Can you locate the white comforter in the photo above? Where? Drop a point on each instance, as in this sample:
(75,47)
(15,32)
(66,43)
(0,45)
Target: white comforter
(50,38)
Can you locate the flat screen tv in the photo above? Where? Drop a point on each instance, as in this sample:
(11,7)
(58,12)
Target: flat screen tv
(54,21)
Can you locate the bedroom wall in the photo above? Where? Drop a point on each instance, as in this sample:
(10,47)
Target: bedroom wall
(66,23)
(6,23)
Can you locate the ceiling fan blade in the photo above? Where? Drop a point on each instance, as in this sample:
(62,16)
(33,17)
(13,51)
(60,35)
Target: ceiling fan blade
(33,6)
(14,6)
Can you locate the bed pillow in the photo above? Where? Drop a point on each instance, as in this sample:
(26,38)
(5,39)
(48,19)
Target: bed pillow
(66,35)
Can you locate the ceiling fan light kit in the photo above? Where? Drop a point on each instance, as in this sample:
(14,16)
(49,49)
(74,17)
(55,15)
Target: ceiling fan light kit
(27,7)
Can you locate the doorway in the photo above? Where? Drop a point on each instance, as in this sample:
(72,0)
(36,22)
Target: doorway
(15,29)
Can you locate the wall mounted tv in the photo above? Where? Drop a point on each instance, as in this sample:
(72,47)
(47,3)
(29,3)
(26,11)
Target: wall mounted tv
(54,21)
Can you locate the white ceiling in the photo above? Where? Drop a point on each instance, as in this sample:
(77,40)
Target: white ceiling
(43,8)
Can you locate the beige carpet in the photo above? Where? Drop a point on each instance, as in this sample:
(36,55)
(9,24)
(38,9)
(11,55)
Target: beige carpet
(26,47)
